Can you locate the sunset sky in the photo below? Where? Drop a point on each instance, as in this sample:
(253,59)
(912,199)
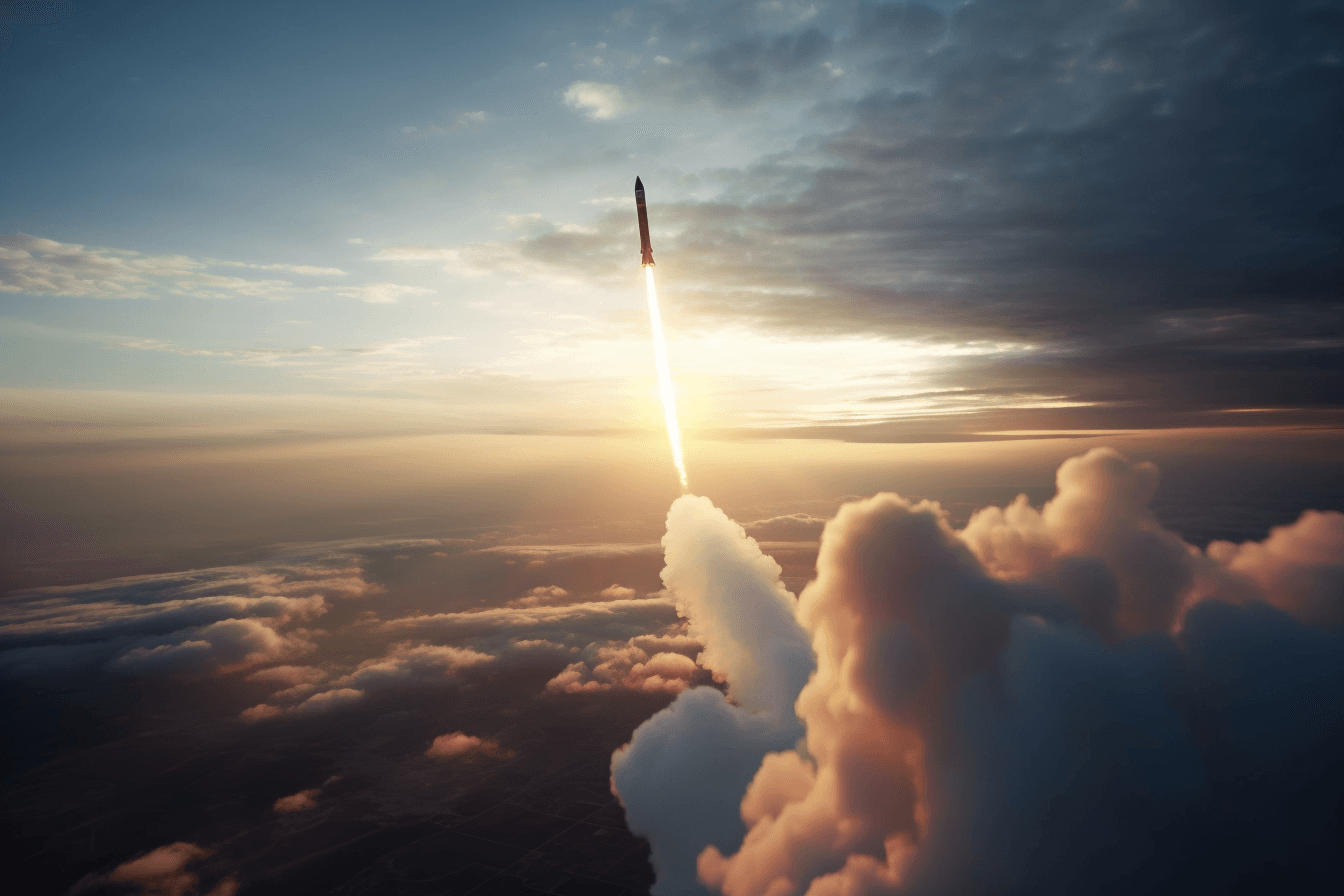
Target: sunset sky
(861,213)
(319,320)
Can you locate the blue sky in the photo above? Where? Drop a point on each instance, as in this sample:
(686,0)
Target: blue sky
(215,142)
(1009,214)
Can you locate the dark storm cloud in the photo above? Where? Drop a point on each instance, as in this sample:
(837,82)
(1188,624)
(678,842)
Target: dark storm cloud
(1148,193)
(898,26)
(1133,160)
(1139,202)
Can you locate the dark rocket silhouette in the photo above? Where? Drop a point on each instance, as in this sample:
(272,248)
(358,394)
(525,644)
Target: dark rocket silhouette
(645,249)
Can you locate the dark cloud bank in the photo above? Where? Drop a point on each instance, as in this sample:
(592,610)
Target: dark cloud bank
(1145,193)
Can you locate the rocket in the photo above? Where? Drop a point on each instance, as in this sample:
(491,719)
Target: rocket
(645,250)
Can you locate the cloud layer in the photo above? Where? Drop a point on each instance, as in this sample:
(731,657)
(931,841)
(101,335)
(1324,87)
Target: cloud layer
(1061,700)
(226,618)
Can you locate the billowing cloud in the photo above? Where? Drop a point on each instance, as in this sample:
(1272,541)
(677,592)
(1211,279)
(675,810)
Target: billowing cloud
(1060,700)
(596,100)
(626,666)
(1298,568)
(1097,540)
(405,664)
(703,746)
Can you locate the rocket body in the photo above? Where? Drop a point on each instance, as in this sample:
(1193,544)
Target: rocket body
(645,248)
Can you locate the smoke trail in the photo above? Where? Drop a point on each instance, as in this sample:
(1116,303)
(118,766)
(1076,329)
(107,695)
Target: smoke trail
(666,391)
(1054,701)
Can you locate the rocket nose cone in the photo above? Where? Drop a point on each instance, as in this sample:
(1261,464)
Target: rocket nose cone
(638,184)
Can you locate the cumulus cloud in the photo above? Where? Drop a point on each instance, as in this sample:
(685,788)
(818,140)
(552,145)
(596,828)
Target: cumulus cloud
(226,619)
(626,666)
(225,646)
(1056,700)
(1097,539)
(298,802)
(541,595)
(554,595)
(163,872)
(448,746)
(405,664)
(596,100)
(321,702)
(304,800)
(407,661)
(228,646)
(1298,568)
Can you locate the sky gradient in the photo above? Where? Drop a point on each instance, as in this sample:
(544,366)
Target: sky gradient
(862,213)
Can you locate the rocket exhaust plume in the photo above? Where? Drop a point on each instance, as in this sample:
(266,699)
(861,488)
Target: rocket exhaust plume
(666,391)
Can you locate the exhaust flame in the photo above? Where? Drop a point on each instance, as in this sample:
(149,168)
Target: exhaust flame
(666,391)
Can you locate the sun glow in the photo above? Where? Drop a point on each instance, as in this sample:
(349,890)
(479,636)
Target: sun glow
(666,391)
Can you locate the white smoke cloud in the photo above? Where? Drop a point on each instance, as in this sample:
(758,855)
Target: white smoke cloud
(1100,513)
(1021,706)
(704,748)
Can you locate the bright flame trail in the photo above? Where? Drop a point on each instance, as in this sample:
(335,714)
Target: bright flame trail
(666,391)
